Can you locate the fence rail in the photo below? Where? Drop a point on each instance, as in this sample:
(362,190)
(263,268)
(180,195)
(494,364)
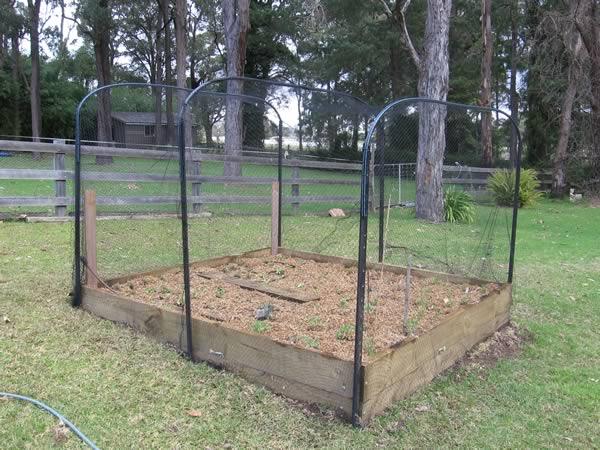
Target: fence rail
(475,177)
(60,175)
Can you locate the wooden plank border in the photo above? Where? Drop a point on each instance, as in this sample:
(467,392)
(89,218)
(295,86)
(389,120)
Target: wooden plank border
(308,375)
(284,368)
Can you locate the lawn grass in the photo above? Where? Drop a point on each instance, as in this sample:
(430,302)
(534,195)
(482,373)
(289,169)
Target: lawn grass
(126,391)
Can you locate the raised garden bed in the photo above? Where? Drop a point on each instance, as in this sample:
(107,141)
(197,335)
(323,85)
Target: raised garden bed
(304,349)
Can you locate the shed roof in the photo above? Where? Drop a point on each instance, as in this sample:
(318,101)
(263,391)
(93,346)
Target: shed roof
(139,118)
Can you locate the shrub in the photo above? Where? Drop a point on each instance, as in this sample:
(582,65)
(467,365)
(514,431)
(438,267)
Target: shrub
(502,185)
(458,206)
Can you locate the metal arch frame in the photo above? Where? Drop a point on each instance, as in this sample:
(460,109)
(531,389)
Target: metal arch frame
(364,215)
(183,193)
(76,301)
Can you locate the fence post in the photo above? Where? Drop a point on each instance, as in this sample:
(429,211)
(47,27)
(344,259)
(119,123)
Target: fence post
(195,170)
(60,184)
(274,218)
(295,187)
(91,265)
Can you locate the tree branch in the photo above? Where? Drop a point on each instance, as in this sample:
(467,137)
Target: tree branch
(408,41)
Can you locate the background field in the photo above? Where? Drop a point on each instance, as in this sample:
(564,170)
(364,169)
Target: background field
(125,390)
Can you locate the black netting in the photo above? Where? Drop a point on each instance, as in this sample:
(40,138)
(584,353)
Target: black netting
(429,228)
(274,168)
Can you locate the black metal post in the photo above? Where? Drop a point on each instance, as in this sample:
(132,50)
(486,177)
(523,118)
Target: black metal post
(185,232)
(380,149)
(279,179)
(77,192)
(516,204)
(360,288)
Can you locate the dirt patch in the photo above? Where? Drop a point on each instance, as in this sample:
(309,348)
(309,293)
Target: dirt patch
(326,324)
(595,202)
(503,344)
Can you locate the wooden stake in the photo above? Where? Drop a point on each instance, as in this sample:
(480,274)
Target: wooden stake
(406,297)
(274,218)
(91,266)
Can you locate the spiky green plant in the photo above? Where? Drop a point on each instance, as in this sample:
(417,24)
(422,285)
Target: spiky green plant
(458,206)
(502,184)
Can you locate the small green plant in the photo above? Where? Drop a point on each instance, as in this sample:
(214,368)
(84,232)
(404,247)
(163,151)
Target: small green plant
(315,323)
(502,185)
(344,302)
(371,306)
(220,292)
(279,271)
(165,290)
(344,332)
(261,326)
(370,346)
(458,206)
(309,341)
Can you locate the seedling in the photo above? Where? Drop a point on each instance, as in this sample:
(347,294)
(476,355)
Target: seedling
(344,332)
(261,326)
(220,292)
(315,323)
(344,302)
(370,346)
(309,341)
(370,306)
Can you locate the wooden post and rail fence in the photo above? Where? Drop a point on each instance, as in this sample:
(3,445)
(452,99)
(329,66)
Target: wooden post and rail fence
(59,175)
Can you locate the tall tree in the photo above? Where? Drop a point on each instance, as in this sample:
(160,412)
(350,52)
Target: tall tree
(33,9)
(571,44)
(588,24)
(514,95)
(96,22)
(236,20)
(485,98)
(433,69)
(181,52)
(165,7)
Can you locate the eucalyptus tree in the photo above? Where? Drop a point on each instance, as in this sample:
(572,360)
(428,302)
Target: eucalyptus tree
(432,63)
(33,15)
(96,23)
(236,23)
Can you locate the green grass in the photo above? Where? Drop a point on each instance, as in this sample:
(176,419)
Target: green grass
(124,390)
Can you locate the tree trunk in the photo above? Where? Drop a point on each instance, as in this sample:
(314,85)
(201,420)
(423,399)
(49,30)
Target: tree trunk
(433,84)
(299,106)
(103,73)
(35,96)
(16,73)
(181,63)
(236,18)
(588,25)
(207,125)
(486,82)
(559,174)
(158,128)
(514,95)
(355,125)
(170,130)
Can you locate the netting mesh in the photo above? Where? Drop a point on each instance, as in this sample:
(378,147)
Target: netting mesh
(425,229)
(131,164)
(259,155)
